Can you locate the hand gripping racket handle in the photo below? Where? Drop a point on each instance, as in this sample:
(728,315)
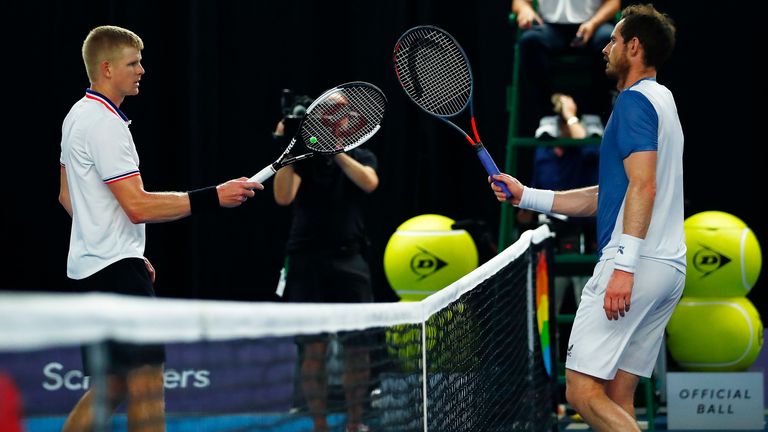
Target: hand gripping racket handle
(490,167)
(263,175)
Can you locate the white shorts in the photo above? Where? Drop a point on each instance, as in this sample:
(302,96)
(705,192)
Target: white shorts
(599,347)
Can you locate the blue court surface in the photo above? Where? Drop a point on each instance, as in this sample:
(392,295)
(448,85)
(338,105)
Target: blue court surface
(261,422)
(660,424)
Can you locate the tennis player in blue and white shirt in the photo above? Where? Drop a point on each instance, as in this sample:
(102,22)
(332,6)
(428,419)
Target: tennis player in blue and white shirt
(639,278)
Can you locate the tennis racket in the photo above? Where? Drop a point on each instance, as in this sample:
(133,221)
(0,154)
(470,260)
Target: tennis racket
(337,121)
(434,72)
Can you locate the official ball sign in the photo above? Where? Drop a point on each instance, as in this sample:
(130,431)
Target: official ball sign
(715,400)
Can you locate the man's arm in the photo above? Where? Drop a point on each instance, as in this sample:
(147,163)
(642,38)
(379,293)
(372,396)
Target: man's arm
(363,176)
(605,12)
(641,192)
(286,185)
(526,15)
(638,208)
(148,207)
(574,202)
(64,191)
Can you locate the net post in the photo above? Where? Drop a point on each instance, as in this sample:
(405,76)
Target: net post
(531,318)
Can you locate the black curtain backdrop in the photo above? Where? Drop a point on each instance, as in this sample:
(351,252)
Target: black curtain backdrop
(210,99)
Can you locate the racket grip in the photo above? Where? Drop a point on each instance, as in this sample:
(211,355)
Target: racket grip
(263,175)
(490,167)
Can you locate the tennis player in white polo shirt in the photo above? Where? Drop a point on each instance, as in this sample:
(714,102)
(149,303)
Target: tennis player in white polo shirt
(639,278)
(101,188)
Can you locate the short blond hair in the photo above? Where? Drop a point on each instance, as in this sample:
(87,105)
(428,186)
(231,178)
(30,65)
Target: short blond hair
(105,43)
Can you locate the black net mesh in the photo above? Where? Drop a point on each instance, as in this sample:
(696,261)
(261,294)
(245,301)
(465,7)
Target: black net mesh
(482,370)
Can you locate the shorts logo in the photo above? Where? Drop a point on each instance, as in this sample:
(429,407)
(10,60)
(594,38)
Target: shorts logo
(569,350)
(621,249)
(707,260)
(426,263)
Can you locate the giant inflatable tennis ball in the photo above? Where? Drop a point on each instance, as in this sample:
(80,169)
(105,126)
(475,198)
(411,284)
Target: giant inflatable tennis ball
(723,257)
(715,334)
(426,254)
(450,337)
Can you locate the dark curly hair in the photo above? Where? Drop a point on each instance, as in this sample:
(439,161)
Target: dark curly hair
(654,30)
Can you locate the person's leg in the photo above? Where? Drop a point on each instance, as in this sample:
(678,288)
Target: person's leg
(80,419)
(621,389)
(355,380)
(146,404)
(128,276)
(315,384)
(588,396)
(352,278)
(594,349)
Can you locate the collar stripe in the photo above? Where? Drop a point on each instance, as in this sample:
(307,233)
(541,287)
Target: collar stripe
(94,95)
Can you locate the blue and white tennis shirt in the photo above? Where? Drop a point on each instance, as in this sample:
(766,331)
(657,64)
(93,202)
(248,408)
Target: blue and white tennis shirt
(644,118)
(97,149)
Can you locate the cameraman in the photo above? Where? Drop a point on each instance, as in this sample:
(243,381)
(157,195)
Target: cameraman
(325,261)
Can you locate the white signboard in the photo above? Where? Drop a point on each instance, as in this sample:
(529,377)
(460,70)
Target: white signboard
(715,400)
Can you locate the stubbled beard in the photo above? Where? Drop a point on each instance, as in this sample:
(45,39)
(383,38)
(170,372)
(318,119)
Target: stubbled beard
(618,69)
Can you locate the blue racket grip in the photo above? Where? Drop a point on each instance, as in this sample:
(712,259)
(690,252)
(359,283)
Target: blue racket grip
(490,167)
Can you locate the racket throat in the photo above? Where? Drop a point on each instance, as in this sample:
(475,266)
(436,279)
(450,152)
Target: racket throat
(474,130)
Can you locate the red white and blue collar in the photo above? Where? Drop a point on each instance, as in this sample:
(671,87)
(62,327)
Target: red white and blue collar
(94,95)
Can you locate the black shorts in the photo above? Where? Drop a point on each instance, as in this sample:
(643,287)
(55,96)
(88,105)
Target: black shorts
(128,276)
(327,278)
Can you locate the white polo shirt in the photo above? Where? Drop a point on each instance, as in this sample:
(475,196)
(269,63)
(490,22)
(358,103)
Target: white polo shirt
(97,149)
(568,11)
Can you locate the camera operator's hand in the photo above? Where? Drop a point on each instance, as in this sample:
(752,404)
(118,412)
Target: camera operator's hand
(279,129)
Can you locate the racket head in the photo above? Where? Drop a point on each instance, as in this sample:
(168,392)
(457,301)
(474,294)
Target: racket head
(433,70)
(343,117)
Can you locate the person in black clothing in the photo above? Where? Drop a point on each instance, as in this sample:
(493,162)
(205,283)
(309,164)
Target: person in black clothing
(326,264)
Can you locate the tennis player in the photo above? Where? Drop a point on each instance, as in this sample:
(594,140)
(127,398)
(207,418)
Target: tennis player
(101,188)
(640,228)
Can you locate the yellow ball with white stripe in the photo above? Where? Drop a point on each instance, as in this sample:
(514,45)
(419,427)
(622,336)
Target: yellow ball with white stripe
(425,254)
(724,257)
(715,334)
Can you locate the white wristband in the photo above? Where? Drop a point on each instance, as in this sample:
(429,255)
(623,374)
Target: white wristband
(539,200)
(572,120)
(628,253)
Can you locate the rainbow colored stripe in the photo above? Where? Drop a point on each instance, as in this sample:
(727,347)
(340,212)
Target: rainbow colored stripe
(542,309)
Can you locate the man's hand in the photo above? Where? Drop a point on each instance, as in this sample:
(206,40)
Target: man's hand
(235,192)
(150,270)
(585,32)
(513,185)
(618,294)
(526,16)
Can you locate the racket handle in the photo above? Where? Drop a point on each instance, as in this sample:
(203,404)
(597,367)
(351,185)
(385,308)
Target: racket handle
(263,175)
(490,167)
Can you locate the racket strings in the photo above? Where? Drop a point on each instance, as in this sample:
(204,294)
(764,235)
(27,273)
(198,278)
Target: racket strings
(433,71)
(343,119)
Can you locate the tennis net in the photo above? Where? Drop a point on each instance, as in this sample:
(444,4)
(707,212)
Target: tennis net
(472,357)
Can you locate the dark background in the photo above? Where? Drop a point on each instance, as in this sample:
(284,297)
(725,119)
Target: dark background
(210,99)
